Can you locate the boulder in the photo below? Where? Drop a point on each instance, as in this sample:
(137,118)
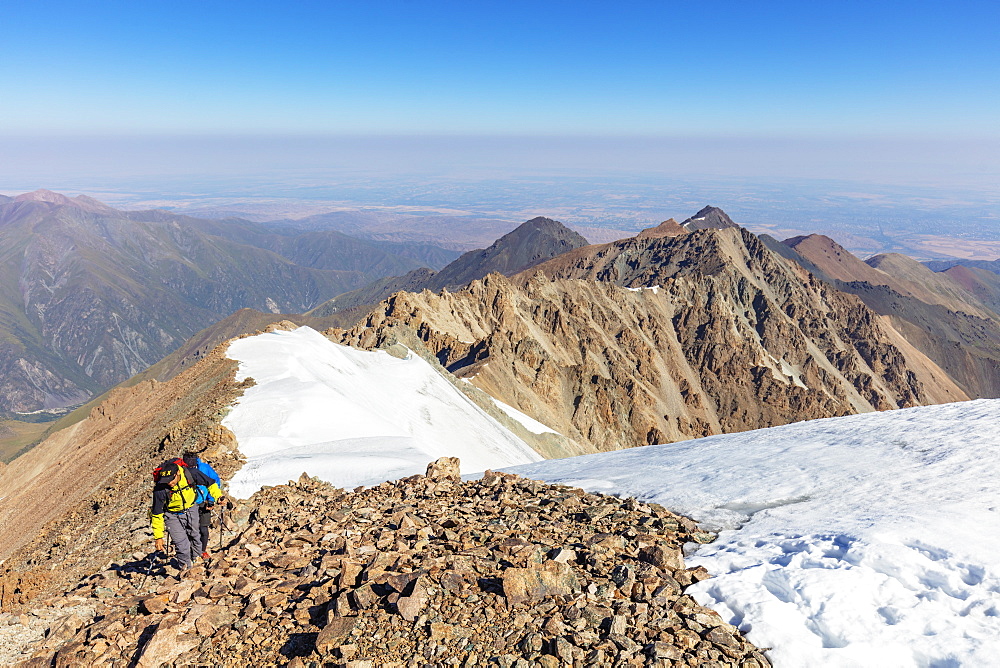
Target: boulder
(523,585)
(444,468)
(335,633)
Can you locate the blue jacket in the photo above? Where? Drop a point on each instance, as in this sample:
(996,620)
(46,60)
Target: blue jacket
(207,469)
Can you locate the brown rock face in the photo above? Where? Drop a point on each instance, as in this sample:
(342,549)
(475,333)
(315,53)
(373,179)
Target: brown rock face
(502,571)
(663,339)
(335,633)
(168,642)
(532,584)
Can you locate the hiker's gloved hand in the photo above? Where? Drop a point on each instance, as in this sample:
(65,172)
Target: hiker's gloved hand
(159,545)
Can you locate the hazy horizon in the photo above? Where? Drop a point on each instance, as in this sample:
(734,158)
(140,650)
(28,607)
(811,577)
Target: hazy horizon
(854,115)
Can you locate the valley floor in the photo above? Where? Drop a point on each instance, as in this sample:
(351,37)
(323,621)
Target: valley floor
(16,435)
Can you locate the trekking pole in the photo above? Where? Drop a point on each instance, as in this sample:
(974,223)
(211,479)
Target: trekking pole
(154,557)
(222,523)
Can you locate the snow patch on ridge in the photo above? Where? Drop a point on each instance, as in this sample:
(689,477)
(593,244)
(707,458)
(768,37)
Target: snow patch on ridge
(868,540)
(353,417)
(528,422)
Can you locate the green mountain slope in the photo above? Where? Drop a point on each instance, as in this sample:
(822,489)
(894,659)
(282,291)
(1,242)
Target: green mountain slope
(90,296)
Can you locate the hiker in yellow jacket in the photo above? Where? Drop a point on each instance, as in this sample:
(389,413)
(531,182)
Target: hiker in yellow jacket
(175,507)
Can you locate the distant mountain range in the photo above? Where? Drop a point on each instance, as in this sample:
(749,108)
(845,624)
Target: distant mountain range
(534,241)
(751,331)
(90,295)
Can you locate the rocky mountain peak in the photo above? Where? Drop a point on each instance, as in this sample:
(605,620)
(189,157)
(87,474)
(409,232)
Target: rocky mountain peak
(530,243)
(663,339)
(709,218)
(668,228)
(541,225)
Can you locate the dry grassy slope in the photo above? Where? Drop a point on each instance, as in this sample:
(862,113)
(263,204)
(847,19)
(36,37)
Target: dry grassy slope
(966,347)
(16,436)
(930,286)
(81,497)
(736,338)
(985,285)
(903,274)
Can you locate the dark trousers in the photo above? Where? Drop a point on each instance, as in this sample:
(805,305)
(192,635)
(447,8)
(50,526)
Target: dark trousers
(205,517)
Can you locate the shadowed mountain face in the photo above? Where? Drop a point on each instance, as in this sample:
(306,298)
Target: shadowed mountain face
(665,338)
(373,293)
(531,242)
(89,295)
(709,218)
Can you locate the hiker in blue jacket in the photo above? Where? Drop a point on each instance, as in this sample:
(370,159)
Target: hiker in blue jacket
(207,501)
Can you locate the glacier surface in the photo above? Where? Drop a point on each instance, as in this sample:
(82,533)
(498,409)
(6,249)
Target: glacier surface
(353,417)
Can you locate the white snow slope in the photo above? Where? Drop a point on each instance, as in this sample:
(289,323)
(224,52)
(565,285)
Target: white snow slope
(869,540)
(353,417)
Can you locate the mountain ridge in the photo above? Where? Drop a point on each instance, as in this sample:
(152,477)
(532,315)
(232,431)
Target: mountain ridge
(660,347)
(953,327)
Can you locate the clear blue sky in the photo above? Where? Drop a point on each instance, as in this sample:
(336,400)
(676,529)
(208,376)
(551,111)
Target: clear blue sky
(909,69)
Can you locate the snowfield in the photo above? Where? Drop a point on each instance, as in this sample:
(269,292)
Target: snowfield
(869,540)
(353,417)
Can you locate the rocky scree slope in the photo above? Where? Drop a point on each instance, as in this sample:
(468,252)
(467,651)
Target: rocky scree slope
(81,497)
(662,339)
(502,571)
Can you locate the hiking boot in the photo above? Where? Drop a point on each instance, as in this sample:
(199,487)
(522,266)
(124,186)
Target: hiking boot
(206,556)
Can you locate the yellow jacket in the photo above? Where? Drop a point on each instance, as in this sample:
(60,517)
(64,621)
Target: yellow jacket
(180,496)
